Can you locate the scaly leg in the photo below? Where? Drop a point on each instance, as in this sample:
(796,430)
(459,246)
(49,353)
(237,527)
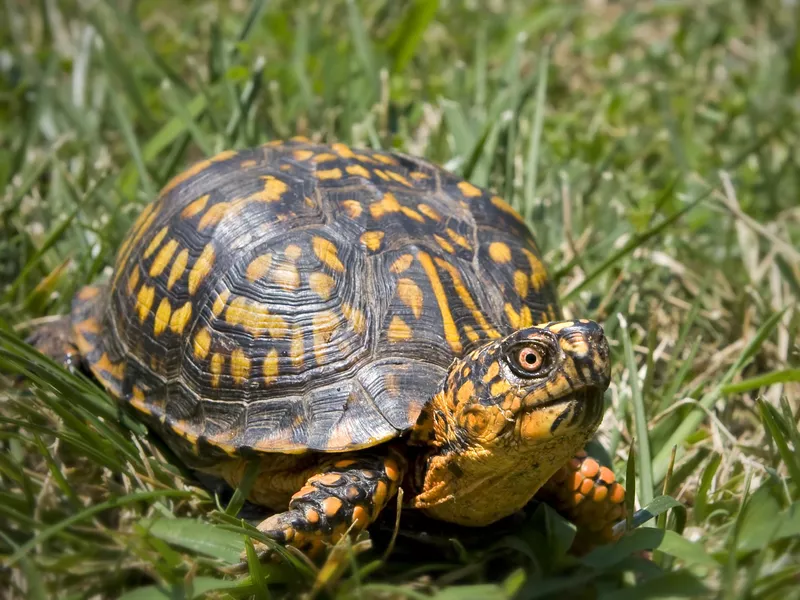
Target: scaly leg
(345,493)
(589,495)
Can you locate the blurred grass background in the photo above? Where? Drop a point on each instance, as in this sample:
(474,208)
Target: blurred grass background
(651,144)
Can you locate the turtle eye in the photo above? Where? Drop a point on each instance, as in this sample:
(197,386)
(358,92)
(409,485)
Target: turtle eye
(530,360)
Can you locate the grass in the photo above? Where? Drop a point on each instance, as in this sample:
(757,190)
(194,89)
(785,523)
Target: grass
(651,144)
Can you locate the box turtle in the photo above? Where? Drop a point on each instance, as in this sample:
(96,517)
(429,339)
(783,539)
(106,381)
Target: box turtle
(357,321)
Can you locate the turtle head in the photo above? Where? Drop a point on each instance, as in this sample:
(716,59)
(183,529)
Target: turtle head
(510,414)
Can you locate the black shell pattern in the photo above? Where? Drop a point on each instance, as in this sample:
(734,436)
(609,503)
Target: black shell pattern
(297,296)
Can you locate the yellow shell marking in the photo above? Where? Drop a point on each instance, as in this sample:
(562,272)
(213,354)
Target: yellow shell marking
(445,245)
(202,267)
(195,207)
(163,257)
(133,280)
(417,175)
(255,318)
(240,366)
(273,191)
(469,190)
(269,367)
(450,330)
(387,204)
(162,317)
(202,343)
(180,318)
(521,319)
(458,238)
(538,271)
(214,215)
(353,208)
(357,170)
(372,239)
(144,301)
(178,267)
(506,208)
(246,164)
(145,220)
(324,325)
(327,253)
(429,212)
(293,252)
(466,298)
(398,330)
(138,402)
(156,242)
(324,157)
(220,302)
(521,283)
(399,178)
(381,174)
(500,252)
(387,160)
(411,295)
(217,362)
(356,317)
(402,263)
(116,370)
(302,155)
(258,267)
(342,150)
(329,174)
(286,276)
(471,334)
(321,284)
(196,168)
(296,349)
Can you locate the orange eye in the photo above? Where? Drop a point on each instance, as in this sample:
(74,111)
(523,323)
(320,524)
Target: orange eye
(530,359)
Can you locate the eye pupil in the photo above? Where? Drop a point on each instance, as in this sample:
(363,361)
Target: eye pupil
(530,359)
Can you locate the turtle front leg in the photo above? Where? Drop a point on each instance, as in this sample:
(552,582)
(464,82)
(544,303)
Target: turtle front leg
(589,495)
(344,495)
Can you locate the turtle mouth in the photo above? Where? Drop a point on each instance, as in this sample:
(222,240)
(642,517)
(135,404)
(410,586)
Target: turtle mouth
(581,409)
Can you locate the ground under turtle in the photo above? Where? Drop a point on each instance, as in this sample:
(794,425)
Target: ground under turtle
(358,321)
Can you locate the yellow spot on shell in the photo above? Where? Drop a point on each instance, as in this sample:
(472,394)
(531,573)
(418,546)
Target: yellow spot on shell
(269,367)
(418,175)
(398,330)
(217,363)
(450,330)
(521,283)
(471,334)
(445,245)
(342,150)
(246,164)
(202,267)
(240,366)
(255,318)
(133,280)
(458,238)
(412,214)
(324,325)
(500,252)
(387,204)
(195,169)
(329,174)
(293,252)
(469,190)
(273,191)
(381,174)
(399,178)
(178,267)
(302,154)
(357,170)
(324,157)
(180,318)
(115,370)
(156,242)
(385,159)
(321,284)
(356,317)
(214,215)
(162,317)
(220,301)
(327,253)
(372,239)
(411,295)
(402,263)
(195,207)
(163,257)
(258,267)
(138,402)
(202,343)
(286,276)
(353,208)
(465,392)
(144,301)
(466,298)
(506,208)
(429,212)
(296,349)
(521,319)
(538,270)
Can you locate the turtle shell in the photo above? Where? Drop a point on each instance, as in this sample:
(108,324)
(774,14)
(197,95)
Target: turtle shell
(297,297)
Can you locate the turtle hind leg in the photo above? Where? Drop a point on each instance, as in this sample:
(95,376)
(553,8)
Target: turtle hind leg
(56,340)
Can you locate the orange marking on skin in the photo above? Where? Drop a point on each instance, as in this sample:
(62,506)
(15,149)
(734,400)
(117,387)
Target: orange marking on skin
(357,319)
(469,190)
(398,330)
(411,295)
(387,204)
(329,174)
(178,267)
(360,517)
(202,343)
(202,267)
(327,253)
(429,212)
(302,155)
(445,245)
(521,283)
(391,469)
(270,366)
(504,206)
(465,392)
(606,475)
(163,257)
(538,270)
(343,464)
(162,317)
(195,207)
(492,372)
(586,486)
(466,298)
(499,252)
(616,494)
(217,363)
(133,280)
(258,267)
(342,150)
(321,284)
(312,516)
(220,302)
(240,366)
(558,327)
(379,497)
(590,468)
(324,325)
(195,169)
(458,238)
(399,178)
(331,506)
(402,263)
(499,388)
(144,301)
(353,208)
(156,242)
(372,240)
(180,318)
(450,330)
(600,493)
